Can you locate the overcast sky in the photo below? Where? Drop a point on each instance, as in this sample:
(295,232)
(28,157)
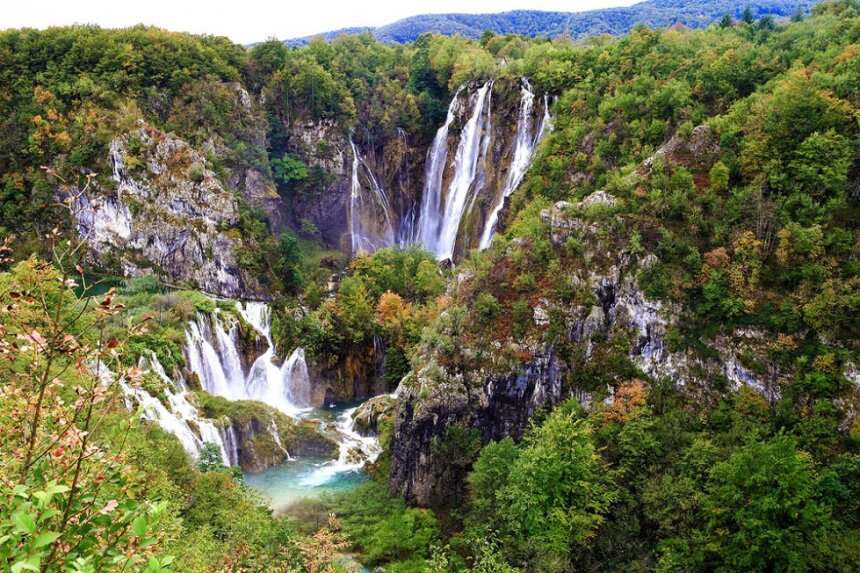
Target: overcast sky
(247,21)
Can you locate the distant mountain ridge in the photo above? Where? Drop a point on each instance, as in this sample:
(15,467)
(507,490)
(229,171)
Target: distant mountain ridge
(535,23)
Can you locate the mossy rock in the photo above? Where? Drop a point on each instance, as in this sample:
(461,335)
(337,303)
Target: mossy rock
(253,422)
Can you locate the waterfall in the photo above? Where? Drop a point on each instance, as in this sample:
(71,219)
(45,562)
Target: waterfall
(524,149)
(355,451)
(408,214)
(464,170)
(285,387)
(363,213)
(296,378)
(181,417)
(431,201)
(276,435)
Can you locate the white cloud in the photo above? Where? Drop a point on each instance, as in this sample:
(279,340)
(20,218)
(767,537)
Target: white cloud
(247,21)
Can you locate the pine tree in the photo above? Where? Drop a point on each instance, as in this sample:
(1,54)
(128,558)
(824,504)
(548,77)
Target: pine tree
(798,14)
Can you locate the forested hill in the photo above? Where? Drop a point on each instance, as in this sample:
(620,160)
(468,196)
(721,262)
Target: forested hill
(535,23)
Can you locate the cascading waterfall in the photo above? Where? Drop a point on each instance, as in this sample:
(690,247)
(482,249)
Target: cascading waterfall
(350,442)
(285,387)
(524,149)
(179,417)
(464,170)
(431,203)
(361,212)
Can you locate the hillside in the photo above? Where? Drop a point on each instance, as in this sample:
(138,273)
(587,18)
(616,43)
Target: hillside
(449,306)
(577,25)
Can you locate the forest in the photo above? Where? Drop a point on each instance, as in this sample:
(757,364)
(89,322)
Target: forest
(712,173)
(577,25)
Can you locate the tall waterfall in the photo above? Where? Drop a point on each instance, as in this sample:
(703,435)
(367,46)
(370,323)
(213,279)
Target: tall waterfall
(524,149)
(442,213)
(364,213)
(431,202)
(285,387)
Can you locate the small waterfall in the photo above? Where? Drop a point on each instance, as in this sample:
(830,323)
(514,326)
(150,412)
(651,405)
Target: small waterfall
(465,167)
(296,378)
(276,435)
(181,417)
(204,360)
(362,214)
(285,387)
(524,149)
(408,213)
(355,451)
(231,444)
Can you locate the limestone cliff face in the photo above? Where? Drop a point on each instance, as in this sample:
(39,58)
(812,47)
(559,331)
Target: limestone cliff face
(497,390)
(394,164)
(168,216)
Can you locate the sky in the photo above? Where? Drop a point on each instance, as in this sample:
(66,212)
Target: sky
(247,21)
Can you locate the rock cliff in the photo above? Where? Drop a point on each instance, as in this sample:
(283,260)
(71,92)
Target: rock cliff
(168,215)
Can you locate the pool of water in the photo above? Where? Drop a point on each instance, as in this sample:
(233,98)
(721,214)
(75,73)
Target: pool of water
(308,477)
(293,480)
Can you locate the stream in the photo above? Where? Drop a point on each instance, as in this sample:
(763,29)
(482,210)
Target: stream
(308,477)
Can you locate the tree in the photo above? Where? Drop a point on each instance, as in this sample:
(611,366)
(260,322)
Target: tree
(558,488)
(488,481)
(798,14)
(726,21)
(68,500)
(719,177)
(289,171)
(747,17)
(762,509)
(210,458)
(289,264)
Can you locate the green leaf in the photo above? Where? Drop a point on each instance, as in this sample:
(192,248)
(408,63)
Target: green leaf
(55,489)
(45,539)
(31,564)
(139,526)
(24,523)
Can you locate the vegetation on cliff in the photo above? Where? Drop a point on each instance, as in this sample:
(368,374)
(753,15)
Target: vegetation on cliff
(710,177)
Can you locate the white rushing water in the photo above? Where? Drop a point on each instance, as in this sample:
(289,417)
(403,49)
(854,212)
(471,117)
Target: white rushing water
(179,416)
(213,354)
(449,213)
(362,211)
(526,142)
(286,387)
(431,203)
(355,451)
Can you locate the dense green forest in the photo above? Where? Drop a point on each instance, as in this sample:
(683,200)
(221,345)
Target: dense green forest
(577,25)
(731,158)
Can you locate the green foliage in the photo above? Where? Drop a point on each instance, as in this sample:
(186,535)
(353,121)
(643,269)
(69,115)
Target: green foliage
(486,308)
(384,529)
(210,458)
(290,264)
(289,171)
(762,509)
